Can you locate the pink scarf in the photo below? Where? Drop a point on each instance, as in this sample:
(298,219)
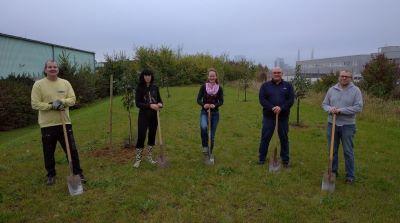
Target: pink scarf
(212,89)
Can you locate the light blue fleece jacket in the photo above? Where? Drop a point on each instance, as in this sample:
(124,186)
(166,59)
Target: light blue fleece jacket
(349,102)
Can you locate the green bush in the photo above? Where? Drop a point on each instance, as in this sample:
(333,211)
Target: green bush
(380,76)
(325,82)
(82,79)
(15,102)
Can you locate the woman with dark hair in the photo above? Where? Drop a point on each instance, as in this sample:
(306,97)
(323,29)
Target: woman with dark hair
(148,100)
(210,98)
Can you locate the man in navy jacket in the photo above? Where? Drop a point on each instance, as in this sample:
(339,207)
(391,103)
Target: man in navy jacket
(276,97)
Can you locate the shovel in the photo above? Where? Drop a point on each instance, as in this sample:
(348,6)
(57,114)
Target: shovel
(74,181)
(274,164)
(161,159)
(210,158)
(329,178)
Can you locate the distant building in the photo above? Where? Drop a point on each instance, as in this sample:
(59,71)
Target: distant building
(391,52)
(286,68)
(20,55)
(355,63)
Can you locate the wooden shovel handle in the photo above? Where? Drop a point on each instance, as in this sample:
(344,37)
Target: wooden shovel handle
(332,144)
(159,128)
(62,116)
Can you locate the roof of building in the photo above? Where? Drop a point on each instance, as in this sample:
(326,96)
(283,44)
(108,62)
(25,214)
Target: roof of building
(41,42)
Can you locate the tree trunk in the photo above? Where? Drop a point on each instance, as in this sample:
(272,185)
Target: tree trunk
(238,90)
(298,111)
(110,121)
(245,92)
(130,127)
(166,82)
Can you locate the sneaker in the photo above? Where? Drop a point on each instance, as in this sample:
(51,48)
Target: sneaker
(138,158)
(83,180)
(51,180)
(150,155)
(261,162)
(205,150)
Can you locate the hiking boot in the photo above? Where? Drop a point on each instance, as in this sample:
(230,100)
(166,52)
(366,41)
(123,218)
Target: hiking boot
(150,155)
(51,180)
(138,158)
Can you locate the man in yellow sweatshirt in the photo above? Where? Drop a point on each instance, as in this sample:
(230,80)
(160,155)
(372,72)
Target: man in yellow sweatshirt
(49,96)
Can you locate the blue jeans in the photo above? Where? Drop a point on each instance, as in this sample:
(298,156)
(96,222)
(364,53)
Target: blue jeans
(345,134)
(204,125)
(266,135)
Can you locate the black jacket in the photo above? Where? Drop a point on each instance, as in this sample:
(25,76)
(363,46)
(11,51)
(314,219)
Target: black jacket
(146,96)
(204,98)
(272,94)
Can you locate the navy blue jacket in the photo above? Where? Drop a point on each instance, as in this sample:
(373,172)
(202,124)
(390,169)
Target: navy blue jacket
(272,94)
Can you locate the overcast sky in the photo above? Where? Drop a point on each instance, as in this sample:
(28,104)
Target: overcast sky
(260,30)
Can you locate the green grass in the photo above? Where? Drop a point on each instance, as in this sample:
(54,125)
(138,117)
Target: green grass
(234,190)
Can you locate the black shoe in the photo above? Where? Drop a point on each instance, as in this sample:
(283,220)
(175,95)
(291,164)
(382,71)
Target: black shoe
(286,165)
(349,181)
(51,180)
(83,180)
(261,162)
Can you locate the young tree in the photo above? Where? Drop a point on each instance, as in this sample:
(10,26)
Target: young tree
(130,81)
(301,86)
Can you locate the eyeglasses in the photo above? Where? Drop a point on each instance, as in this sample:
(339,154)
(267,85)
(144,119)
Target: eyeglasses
(277,72)
(345,77)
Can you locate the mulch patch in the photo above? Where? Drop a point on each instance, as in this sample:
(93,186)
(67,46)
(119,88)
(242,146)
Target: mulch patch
(116,154)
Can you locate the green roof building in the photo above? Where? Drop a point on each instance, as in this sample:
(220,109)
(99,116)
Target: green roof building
(20,55)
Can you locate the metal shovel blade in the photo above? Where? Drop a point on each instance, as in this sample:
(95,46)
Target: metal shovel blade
(162,161)
(274,164)
(74,185)
(209,160)
(328,182)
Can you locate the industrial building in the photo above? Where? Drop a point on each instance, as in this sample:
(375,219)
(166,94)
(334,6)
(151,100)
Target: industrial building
(317,67)
(20,55)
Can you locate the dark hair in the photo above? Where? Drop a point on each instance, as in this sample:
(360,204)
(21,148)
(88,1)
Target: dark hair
(146,72)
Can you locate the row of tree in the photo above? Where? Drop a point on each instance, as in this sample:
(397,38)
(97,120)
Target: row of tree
(173,68)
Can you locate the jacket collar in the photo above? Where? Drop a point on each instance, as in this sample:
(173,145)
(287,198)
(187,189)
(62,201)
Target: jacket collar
(337,86)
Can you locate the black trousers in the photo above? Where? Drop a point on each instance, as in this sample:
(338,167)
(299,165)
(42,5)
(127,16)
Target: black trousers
(147,120)
(266,135)
(50,136)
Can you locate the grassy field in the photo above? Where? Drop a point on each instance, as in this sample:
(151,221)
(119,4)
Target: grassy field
(234,190)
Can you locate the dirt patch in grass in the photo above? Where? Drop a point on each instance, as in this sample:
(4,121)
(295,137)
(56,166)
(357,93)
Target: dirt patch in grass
(118,154)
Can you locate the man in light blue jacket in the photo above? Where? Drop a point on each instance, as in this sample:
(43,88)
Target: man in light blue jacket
(345,100)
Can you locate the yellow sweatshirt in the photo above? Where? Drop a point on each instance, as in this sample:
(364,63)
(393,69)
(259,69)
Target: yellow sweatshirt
(45,91)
